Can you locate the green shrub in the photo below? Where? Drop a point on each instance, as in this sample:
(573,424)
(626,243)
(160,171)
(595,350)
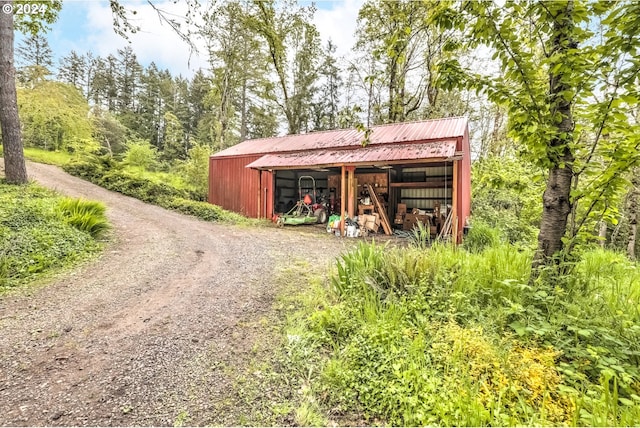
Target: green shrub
(155,188)
(91,168)
(139,188)
(203,210)
(507,195)
(141,154)
(87,216)
(481,236)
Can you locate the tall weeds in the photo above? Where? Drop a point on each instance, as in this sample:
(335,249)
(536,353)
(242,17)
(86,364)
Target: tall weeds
(450,337)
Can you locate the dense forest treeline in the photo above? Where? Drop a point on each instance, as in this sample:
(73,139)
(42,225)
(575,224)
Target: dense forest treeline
(268,73)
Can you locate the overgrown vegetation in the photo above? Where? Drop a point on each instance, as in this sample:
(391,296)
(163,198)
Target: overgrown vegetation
(163,189)
(507,192)
(135,176)
(450,337)
(41,232)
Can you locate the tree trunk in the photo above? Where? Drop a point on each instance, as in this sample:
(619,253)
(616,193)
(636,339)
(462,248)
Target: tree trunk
(15,169)
(634,201)
(556,198)
(602,233)
(243,112)
(631,248)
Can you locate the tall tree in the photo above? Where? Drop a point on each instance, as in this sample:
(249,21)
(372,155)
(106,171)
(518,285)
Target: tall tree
(127,80)
(175,145)
(569,76)
(199,87)
(15,170)
(633,206)
(294,51)
(240,87)
(104,83)
(403,50)
(73,70)
(35,59)
(327,104)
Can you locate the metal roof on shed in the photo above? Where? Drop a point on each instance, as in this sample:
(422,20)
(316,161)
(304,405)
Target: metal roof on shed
(358,156)
(428,130)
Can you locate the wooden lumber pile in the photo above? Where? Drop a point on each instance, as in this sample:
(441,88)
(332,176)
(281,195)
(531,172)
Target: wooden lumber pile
(384,220)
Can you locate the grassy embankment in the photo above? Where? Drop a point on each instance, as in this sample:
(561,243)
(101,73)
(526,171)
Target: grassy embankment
(165,189)
(42,233)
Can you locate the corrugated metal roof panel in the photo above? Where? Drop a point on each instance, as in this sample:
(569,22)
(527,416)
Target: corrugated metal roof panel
(436,129)
(362,155)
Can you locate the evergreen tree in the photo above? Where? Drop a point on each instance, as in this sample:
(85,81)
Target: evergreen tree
(34,59)
(103,87)
(327,106)
(127,80)
(73,70)
(150,106)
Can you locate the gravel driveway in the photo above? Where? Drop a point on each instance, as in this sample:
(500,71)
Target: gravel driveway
(136,336)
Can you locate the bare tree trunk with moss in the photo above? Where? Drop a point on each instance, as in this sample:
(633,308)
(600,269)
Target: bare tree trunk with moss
(15,169)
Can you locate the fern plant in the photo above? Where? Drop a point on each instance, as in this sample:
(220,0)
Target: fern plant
(87,216)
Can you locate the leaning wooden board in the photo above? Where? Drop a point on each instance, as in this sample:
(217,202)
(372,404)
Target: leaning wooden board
(386,226)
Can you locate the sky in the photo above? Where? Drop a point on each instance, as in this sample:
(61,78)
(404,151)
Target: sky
(87,26)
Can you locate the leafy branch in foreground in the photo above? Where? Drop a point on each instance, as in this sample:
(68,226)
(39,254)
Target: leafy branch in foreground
(570,78)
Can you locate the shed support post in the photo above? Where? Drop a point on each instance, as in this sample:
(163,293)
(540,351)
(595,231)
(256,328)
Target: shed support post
(454,205)
(351,194)
(259,194)
(343,191)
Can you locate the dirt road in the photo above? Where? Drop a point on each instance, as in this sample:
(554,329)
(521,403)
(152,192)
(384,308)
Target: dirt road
(136,337)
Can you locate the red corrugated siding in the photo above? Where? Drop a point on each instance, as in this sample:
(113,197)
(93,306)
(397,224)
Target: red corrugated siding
(241,189)
(234,187)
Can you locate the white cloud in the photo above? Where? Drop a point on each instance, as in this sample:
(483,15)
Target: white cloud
(338,23)
(155,42)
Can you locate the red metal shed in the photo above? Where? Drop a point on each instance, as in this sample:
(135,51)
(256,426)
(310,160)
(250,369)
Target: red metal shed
(427,164)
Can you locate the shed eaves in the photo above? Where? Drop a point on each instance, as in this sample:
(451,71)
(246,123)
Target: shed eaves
(360,156)
(428,130)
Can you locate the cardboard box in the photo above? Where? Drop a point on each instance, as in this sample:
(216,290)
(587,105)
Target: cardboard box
(411,221)
(370,221)
(402,209)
